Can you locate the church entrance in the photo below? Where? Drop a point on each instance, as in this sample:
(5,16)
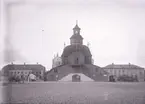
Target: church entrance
(76,78)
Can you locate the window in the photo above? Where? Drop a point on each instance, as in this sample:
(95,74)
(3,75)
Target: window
(140,73)
(115,72)
(119,72)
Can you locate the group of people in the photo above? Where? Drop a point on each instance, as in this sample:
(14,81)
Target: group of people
(22,78)
(123,78)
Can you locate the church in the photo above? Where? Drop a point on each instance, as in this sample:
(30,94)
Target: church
(75,63)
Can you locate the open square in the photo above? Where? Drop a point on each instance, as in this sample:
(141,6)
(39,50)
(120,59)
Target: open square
(78,93)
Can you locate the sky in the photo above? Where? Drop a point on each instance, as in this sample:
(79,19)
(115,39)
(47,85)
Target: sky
(35,30)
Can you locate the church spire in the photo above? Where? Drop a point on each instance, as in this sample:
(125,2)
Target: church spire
(76,29)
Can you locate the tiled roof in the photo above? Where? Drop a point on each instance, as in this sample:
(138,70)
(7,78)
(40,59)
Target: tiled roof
(122,66)
(33,67)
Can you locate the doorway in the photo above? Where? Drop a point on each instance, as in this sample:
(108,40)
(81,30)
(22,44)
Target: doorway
(76,78)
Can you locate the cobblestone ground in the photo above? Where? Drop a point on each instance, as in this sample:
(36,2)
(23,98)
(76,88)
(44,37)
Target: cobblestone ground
(78,93)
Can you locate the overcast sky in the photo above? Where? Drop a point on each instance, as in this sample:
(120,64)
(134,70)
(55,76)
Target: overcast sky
(115,30)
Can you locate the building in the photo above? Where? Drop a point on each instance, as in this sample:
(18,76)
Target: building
(0,75)
(76,61)
(19,70)
(118,70)
(57,61)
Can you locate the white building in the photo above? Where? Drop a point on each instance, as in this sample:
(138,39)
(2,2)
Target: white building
(19,70)
(125,69)
(57,61)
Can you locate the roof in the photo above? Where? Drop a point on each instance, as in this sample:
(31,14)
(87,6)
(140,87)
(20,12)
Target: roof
(76,36)
(76,27)
(122,66)
(34,67)
(74,48)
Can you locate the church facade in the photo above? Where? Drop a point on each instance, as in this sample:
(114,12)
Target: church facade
(75,63)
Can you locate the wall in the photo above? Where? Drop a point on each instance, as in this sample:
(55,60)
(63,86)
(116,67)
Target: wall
(69,77)
(72,59)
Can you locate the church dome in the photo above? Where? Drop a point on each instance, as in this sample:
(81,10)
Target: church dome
(74,48)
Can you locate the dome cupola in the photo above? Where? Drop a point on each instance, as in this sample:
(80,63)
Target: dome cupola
(76,38)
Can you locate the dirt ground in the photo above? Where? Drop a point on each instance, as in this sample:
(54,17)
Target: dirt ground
(76,93)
